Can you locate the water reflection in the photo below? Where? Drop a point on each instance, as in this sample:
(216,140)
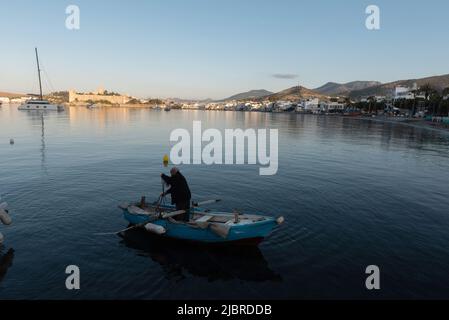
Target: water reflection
(5,262)
(37,119)
(43,150)
(179,259)
(101,118)
(360,191)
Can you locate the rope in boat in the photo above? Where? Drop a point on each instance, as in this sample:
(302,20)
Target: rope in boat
(163,192)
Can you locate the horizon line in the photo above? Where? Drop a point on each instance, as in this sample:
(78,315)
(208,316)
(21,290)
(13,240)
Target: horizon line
(20,92)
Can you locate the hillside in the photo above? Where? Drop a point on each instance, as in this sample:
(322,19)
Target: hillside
(333,88)
(11,95)
(436,82)
(294,93)
(253,94)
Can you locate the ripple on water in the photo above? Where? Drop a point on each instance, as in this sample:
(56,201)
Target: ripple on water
(352,192)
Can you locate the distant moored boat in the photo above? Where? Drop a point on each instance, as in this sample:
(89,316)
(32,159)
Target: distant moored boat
(39,104)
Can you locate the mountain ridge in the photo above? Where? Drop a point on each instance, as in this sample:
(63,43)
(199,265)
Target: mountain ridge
(335,88)
(294,93)
(353,89)
(252,94)
(11,95)
(437,82)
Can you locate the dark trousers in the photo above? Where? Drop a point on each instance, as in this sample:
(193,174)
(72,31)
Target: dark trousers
(183,206)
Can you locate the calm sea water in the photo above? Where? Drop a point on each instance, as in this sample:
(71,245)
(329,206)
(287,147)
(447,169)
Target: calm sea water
(354,193)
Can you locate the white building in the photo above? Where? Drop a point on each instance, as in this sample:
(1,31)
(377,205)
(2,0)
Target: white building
(4,99)
(300,107)
(214,106)
(20,100)
(233,105)
(402,92)
(312,105)
(332,106)
(268,106)
(284,106)
(256,107)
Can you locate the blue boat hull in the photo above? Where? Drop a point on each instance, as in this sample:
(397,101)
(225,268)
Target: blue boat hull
(249,234)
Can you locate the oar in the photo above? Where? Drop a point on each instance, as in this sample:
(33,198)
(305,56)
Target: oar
(118,232)
(158,203)
(202,203)
(140,225)
(162,196)
(172,214)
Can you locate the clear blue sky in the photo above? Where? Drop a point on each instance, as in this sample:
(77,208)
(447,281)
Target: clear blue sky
(216,48)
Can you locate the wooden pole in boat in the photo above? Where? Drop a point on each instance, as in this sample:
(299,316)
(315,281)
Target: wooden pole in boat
(236,216)
(161,197)
(39,74)
(142,202)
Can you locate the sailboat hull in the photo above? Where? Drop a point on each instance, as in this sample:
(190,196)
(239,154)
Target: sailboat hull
(37,105)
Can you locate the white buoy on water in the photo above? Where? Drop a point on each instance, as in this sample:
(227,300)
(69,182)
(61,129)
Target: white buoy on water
(280,220)
(5,218)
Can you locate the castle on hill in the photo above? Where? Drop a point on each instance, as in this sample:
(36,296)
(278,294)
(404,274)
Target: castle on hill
(100,95)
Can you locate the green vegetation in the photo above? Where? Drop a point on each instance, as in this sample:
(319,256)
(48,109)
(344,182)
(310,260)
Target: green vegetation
(133,101)
(58,97)
(371,106)
(176,106)
(155,101)
(107,93)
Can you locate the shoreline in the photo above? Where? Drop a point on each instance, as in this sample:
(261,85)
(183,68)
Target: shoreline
(415,123)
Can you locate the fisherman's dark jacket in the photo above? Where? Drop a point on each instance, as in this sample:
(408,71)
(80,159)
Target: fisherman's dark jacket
(179,189)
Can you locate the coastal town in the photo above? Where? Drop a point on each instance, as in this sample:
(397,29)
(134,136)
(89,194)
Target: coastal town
(401,101)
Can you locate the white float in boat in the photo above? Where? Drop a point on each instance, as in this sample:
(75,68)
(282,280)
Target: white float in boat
(5,218)
(154,228)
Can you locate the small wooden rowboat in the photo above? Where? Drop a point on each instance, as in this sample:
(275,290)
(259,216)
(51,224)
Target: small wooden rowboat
(203,226)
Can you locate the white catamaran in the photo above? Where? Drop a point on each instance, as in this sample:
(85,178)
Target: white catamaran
(39,104)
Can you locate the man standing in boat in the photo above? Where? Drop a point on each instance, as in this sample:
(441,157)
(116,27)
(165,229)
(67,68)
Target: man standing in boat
(179,191)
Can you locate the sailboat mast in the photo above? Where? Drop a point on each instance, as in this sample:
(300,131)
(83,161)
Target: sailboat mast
(39,74)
